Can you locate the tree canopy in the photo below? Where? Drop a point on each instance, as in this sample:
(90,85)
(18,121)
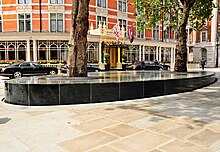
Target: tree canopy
(176,14)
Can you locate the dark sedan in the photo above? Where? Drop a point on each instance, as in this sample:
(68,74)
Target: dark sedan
(149,65)
(21,69)
(90,68)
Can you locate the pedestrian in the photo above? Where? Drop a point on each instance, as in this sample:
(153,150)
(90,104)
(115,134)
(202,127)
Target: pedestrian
(203,62)
(156,62)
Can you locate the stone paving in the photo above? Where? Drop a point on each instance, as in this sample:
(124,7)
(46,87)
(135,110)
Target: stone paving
(185,122)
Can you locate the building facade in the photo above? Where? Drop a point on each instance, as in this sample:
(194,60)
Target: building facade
(39,30)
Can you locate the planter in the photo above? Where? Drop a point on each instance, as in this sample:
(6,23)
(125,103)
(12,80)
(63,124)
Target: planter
(107,67)
(193,65)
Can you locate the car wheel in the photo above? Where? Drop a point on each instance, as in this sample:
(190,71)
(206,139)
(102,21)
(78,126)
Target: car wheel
(17,74)
(52,72)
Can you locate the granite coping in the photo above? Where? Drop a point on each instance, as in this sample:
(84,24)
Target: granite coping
(102,87)
(110,77)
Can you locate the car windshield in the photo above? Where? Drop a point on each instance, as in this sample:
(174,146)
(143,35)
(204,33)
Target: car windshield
(14,64)
(35,64)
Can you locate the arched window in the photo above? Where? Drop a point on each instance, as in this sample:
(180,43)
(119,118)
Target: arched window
(21,52)
(167,55)
(150,53)
(42,52)
(2,52)
(92,53)
(203,53)
(64,52)
(53,52)
(132,54)
(11,52)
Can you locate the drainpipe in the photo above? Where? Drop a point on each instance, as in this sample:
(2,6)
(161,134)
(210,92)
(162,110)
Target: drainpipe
(40,16)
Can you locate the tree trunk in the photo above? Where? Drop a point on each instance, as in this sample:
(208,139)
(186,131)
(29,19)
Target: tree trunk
(181,46)
(77,55)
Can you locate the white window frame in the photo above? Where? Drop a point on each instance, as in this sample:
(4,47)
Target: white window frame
(121,24)
(101,3)
(56,1)
(123,7)
(140,34)
(24,2)
(101,21)
(57,23)
(25,22)
(156,28)
(201,36)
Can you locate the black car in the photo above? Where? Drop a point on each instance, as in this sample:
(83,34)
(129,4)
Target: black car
(21,69)
(149,65)
(90,68)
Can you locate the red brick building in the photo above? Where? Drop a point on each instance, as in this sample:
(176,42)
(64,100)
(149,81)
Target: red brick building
(39,30)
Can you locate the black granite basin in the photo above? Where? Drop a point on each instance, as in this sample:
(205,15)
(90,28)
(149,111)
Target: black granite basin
(102,87)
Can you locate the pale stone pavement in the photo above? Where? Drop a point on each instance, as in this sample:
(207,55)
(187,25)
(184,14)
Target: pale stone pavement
(185,122)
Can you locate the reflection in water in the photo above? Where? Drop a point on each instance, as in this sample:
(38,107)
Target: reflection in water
(111,76)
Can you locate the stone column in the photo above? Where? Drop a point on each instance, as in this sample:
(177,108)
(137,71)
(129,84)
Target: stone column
(159,53)
(100,52)
(140,54)
(143,53)
(101,64)
(214,32)
(35,50)
(119,65)
(172,62)
(214,24)
(28,50)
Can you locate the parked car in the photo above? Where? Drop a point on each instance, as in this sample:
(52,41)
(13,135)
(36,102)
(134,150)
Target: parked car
(90,68)
(149,65)
(21,69)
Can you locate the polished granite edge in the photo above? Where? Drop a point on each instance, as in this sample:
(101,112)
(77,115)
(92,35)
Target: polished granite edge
(110,77)
(79,93)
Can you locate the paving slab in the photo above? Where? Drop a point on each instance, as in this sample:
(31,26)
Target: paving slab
(185,122)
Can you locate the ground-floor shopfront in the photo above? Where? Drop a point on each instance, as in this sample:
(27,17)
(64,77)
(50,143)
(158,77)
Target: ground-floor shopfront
(53,48)
(56,51)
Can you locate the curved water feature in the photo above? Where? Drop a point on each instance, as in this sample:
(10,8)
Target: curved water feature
(102,87)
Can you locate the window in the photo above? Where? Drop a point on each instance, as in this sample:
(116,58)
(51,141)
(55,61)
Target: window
(100,19)
(150,53)
(21,52)
(166,34)
(122,5)
(2,52)
(25,64)
(24,22)
(203,36)
(101,3)
(140,34)
(56,22)
(156,32)
(132,54)
(11,52)
(123,25)
(24,1)
(56,1)
(53,52)
(175,34)
(92,53)
(0,24)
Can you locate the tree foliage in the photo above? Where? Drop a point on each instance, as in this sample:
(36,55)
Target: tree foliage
(176,14)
